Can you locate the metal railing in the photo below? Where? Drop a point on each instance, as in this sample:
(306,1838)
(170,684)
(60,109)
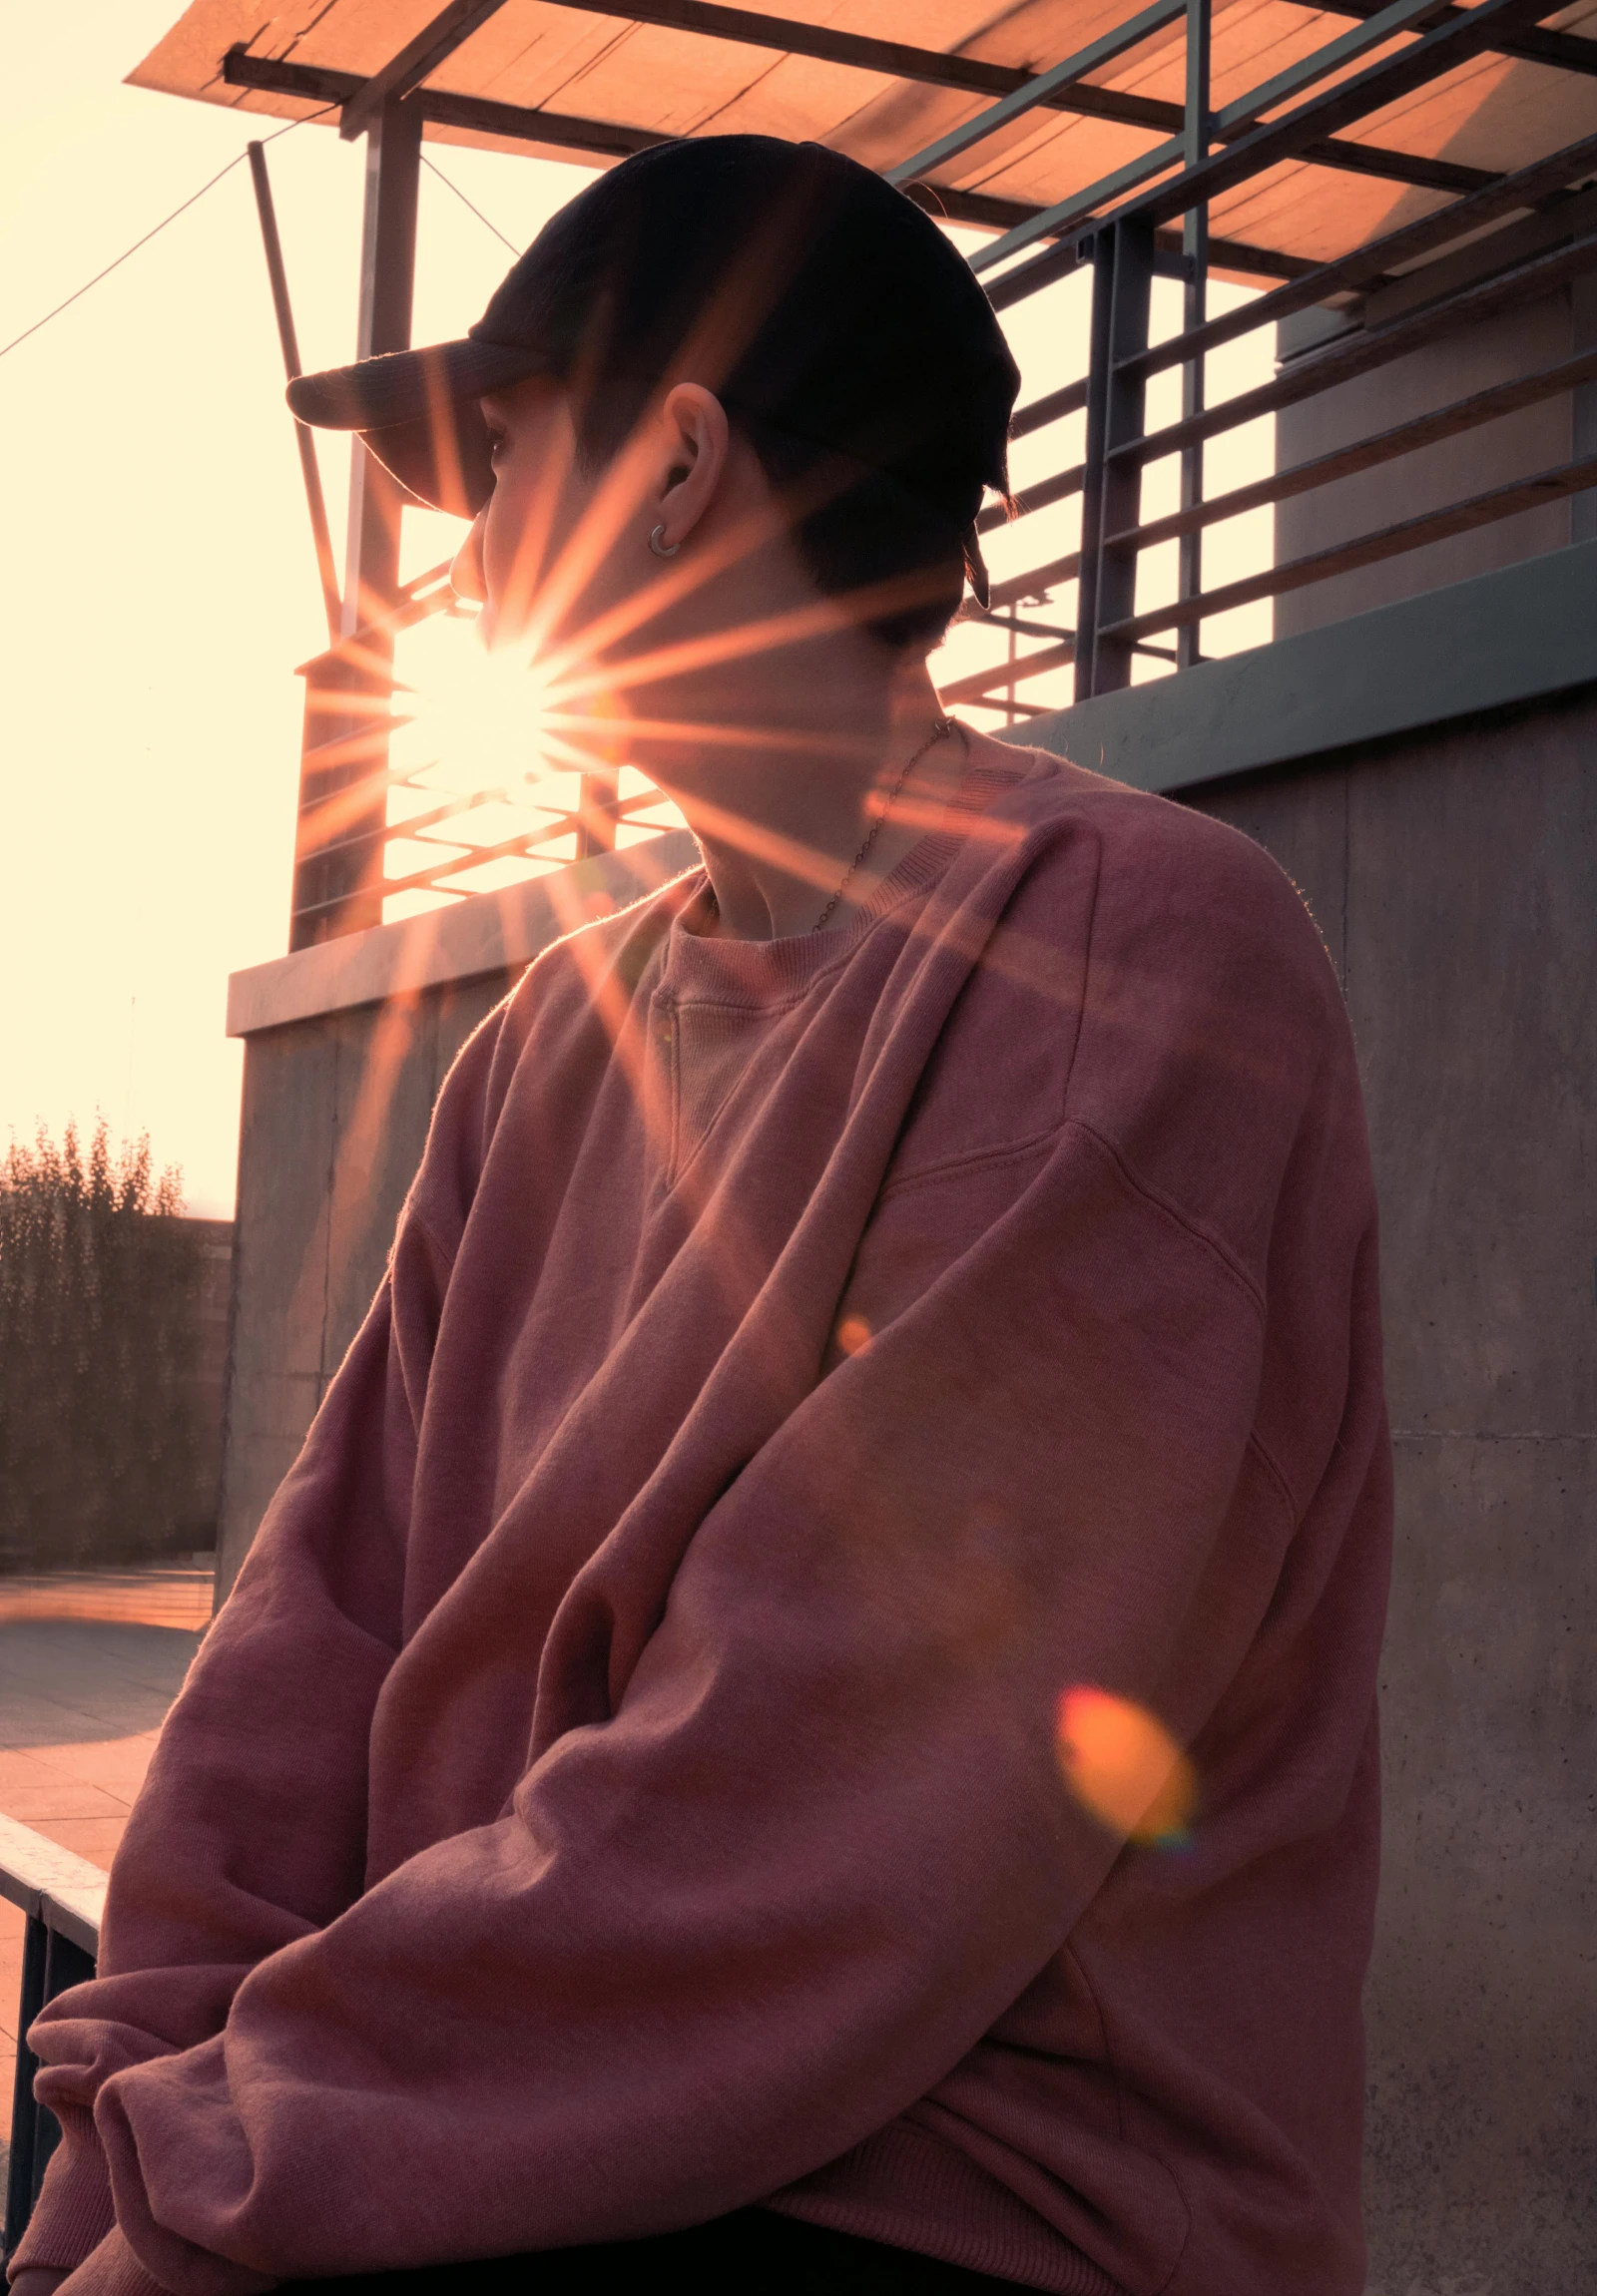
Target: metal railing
(348,821)
(62,1897)
(1148,217)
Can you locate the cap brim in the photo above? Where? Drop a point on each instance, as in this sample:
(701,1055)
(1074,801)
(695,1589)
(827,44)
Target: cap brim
(417,412)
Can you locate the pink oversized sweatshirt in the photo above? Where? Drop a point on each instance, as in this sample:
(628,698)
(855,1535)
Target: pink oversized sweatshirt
(624,1782)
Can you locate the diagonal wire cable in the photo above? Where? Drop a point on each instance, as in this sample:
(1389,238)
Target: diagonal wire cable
(465,202)
(156,229)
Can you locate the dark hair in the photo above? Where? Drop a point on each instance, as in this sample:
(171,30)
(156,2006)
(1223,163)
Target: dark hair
(856,527)
(847,338)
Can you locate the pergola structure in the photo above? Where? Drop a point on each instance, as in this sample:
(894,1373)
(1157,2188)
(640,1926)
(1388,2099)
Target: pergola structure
(1322,152)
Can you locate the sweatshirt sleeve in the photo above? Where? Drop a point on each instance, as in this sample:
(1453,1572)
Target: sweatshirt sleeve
(724,1933)
(258,1860)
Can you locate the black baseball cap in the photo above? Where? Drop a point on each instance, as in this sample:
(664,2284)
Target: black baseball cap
(805,291)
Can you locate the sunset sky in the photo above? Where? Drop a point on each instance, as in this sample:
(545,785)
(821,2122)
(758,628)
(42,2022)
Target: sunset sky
(159,584)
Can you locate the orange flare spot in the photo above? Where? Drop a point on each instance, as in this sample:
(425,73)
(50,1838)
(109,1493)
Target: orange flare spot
(853,1334)
(1122,1764)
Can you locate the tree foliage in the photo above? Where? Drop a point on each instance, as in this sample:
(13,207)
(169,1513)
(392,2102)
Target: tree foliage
(99,1336)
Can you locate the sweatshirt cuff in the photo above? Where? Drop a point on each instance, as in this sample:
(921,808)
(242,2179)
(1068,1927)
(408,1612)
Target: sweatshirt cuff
(112,2270)
(74,2210)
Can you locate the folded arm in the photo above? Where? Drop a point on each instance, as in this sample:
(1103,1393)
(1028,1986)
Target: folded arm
(818,1849)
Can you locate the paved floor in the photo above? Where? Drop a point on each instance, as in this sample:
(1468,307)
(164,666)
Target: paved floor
(81,1700)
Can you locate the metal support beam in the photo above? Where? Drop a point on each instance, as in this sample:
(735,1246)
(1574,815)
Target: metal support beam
(1564,51)
(387,281)
(309,468)
(432,46)
(337,883)
(317,84)
(480,114)
(1195,305)
(1038,89)
(1440,50)
(1122,282)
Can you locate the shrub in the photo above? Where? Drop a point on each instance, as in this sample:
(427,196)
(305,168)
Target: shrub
(99,1335)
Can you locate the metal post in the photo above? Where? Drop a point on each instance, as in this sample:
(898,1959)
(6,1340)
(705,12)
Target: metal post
(280,304)
(25,2110)
(337,880)
(50,1964)
(387,284)
(1194,309)
(1123,270)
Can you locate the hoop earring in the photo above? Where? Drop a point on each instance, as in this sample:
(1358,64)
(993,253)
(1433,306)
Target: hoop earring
(662,549)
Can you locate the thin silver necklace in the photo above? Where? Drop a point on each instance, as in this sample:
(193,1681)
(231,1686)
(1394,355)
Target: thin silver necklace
(942,727)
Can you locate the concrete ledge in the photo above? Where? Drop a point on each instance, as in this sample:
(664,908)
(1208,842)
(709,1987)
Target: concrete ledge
(490,933)
(49,1882)
(1511,635)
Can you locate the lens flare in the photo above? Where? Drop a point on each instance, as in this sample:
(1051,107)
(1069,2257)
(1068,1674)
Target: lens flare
(853,1334)
(1122,1765)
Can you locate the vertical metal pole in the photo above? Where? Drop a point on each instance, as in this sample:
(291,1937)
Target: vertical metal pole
(1092,480)
(1112,491)
(50,1964)
(280,304)
(337,882)
(388,284)
(1195,253)
(25,2111)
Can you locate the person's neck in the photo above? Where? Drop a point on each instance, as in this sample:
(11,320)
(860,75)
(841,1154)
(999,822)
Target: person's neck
(780,767)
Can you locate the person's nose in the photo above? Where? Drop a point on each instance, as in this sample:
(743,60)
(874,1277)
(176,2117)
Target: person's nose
(466,577)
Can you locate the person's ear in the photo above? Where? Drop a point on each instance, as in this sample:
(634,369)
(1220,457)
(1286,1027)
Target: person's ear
(695,437)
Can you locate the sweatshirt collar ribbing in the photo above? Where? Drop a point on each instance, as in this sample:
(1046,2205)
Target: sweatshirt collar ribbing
(775,972)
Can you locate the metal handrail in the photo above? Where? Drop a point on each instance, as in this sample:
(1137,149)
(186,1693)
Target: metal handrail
(63,1899)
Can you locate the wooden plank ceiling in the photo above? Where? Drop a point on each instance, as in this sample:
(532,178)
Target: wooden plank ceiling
(1495,113)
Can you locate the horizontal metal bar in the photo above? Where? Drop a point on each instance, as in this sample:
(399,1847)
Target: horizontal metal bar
(1046,491)
(433,45)
(1043,411)
(560,822)
(1352,98)
(1379,160)
(1564,51)
(1437,51)
(1048,221)
(892,58)
(1388,542)
(1096,54)
(1378,258)
(1038,582)
(1404,438)
(982,681)
(992,621)
(318,84)
(1358,353)
(1387,23)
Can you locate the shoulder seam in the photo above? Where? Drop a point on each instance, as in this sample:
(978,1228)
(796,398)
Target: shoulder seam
(1173,1212)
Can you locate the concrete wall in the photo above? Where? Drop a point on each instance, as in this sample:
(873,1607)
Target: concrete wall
(336,1112)
(1455,877)
(1515,446)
